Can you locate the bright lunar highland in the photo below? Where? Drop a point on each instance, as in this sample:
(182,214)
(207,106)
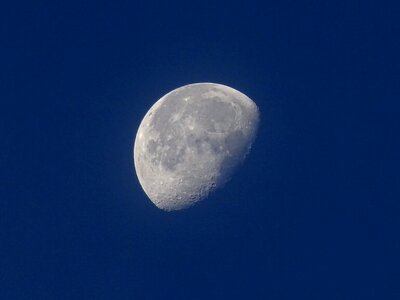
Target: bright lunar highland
(191,141)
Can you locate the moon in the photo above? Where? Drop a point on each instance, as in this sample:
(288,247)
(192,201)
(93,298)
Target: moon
(191,141)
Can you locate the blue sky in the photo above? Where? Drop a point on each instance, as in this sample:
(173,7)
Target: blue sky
(312,214)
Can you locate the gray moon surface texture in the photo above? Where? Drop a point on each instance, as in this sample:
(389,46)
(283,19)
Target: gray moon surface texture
(191,141)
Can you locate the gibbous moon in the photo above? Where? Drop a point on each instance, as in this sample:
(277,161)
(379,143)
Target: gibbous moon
(191,141)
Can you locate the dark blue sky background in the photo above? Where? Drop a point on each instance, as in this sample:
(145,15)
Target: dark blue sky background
(314,213)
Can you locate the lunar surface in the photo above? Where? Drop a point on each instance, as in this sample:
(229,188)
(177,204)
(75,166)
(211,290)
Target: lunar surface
(191,141)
